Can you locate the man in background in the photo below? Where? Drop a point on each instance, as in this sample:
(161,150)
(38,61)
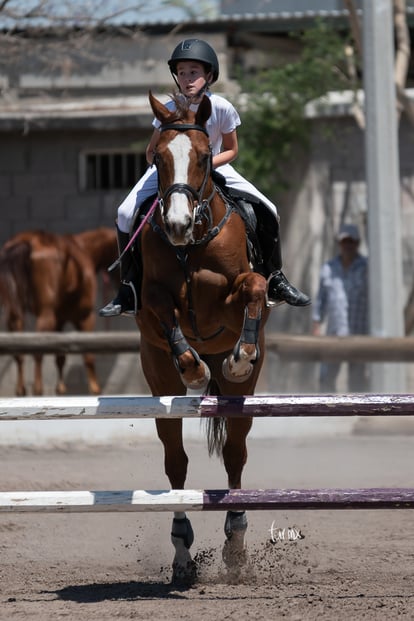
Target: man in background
(342,302)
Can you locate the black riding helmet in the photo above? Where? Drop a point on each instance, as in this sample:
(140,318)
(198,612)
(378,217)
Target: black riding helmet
(195,49)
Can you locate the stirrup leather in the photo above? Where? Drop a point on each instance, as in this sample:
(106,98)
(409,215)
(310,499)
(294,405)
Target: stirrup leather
(134,310)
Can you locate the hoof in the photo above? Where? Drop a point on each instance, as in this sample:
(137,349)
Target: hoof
(234,556)
(184,575)
(199,384)
(231,375)
(184,568)
(234,551)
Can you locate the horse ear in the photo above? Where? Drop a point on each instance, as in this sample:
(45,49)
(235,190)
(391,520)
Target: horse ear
(204,111)
(160,111)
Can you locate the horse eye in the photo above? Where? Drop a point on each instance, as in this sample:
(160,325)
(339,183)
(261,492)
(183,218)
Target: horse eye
(203,159)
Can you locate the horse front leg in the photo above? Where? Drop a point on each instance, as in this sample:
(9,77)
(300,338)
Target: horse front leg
(235,526)
(193,372)
(175,462)
(250,294)
(94,386)
(238,366)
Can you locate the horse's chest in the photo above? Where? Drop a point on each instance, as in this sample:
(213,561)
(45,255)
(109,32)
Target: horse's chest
(206,285)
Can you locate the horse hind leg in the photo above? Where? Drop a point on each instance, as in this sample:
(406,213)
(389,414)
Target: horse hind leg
(38,379)
(234,457)
(175,463)
(15,324)
(20,383)
(182,537)
(234,550)
(227,437)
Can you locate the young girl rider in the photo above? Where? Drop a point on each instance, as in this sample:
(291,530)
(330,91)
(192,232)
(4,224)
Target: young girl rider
(194,67)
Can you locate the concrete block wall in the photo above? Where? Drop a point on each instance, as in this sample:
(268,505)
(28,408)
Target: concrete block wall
(39,181)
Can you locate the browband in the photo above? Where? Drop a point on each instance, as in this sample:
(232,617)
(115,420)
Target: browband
(183,127)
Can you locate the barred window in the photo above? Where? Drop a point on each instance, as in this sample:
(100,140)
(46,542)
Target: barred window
(111,170)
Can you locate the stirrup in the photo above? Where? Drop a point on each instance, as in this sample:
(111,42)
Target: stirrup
(114,308)
(131,312)
(269,302)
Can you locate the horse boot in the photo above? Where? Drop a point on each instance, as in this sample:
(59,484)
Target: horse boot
(127,300)
(279,289)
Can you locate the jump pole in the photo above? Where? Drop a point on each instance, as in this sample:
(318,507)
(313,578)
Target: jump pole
(45,408)
(106,407)
(205,500)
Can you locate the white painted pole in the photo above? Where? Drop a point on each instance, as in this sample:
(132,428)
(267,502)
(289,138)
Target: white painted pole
(383,188)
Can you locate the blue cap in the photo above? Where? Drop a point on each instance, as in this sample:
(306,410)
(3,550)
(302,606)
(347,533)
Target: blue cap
(348,231)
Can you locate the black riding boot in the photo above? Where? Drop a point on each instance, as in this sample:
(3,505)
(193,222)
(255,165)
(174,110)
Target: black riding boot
(127,300)
(279,288)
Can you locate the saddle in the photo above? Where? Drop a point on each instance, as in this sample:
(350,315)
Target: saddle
(251,210)
(248,207)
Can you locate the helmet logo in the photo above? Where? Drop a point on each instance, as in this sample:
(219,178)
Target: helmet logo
(187,44)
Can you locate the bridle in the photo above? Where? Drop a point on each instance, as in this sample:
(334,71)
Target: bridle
(202,209)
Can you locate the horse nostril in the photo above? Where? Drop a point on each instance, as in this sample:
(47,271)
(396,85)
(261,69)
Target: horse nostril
(189,223)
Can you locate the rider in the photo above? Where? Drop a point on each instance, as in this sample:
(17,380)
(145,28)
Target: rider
(194,67)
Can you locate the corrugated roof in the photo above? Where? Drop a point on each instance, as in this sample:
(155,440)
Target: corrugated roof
(281,17)
(247,17)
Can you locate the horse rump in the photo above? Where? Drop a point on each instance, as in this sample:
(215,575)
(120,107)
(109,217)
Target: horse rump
(15,272)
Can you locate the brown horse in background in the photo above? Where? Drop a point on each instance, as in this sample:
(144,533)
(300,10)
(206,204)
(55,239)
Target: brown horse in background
(203,311)
(53,277)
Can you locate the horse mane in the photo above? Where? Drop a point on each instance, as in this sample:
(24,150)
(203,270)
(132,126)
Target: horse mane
(182,107)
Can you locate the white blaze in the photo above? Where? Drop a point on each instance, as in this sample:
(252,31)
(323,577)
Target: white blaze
(180,148)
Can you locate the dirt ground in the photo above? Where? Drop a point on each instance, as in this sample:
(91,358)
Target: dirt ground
(349,565)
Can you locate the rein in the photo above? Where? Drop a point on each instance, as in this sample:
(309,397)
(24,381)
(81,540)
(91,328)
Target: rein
(135,235)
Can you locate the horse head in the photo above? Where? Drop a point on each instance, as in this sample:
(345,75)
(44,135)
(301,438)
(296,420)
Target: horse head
(183,160)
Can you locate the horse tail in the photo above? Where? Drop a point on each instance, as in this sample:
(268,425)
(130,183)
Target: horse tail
(15,270)
(216,435)
(216,427)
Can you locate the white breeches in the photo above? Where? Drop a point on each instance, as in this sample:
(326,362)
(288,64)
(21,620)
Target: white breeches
(148,186)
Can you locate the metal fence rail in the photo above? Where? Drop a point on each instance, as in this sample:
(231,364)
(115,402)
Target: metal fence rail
(290,347)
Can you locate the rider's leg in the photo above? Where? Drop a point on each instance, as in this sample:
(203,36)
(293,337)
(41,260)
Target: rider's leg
(279,288)
(127,299)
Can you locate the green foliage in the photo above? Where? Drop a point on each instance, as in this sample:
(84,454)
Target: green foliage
(274,120)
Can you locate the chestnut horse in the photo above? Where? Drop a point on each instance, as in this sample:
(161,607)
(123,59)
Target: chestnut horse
(53,277)
(203,311)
